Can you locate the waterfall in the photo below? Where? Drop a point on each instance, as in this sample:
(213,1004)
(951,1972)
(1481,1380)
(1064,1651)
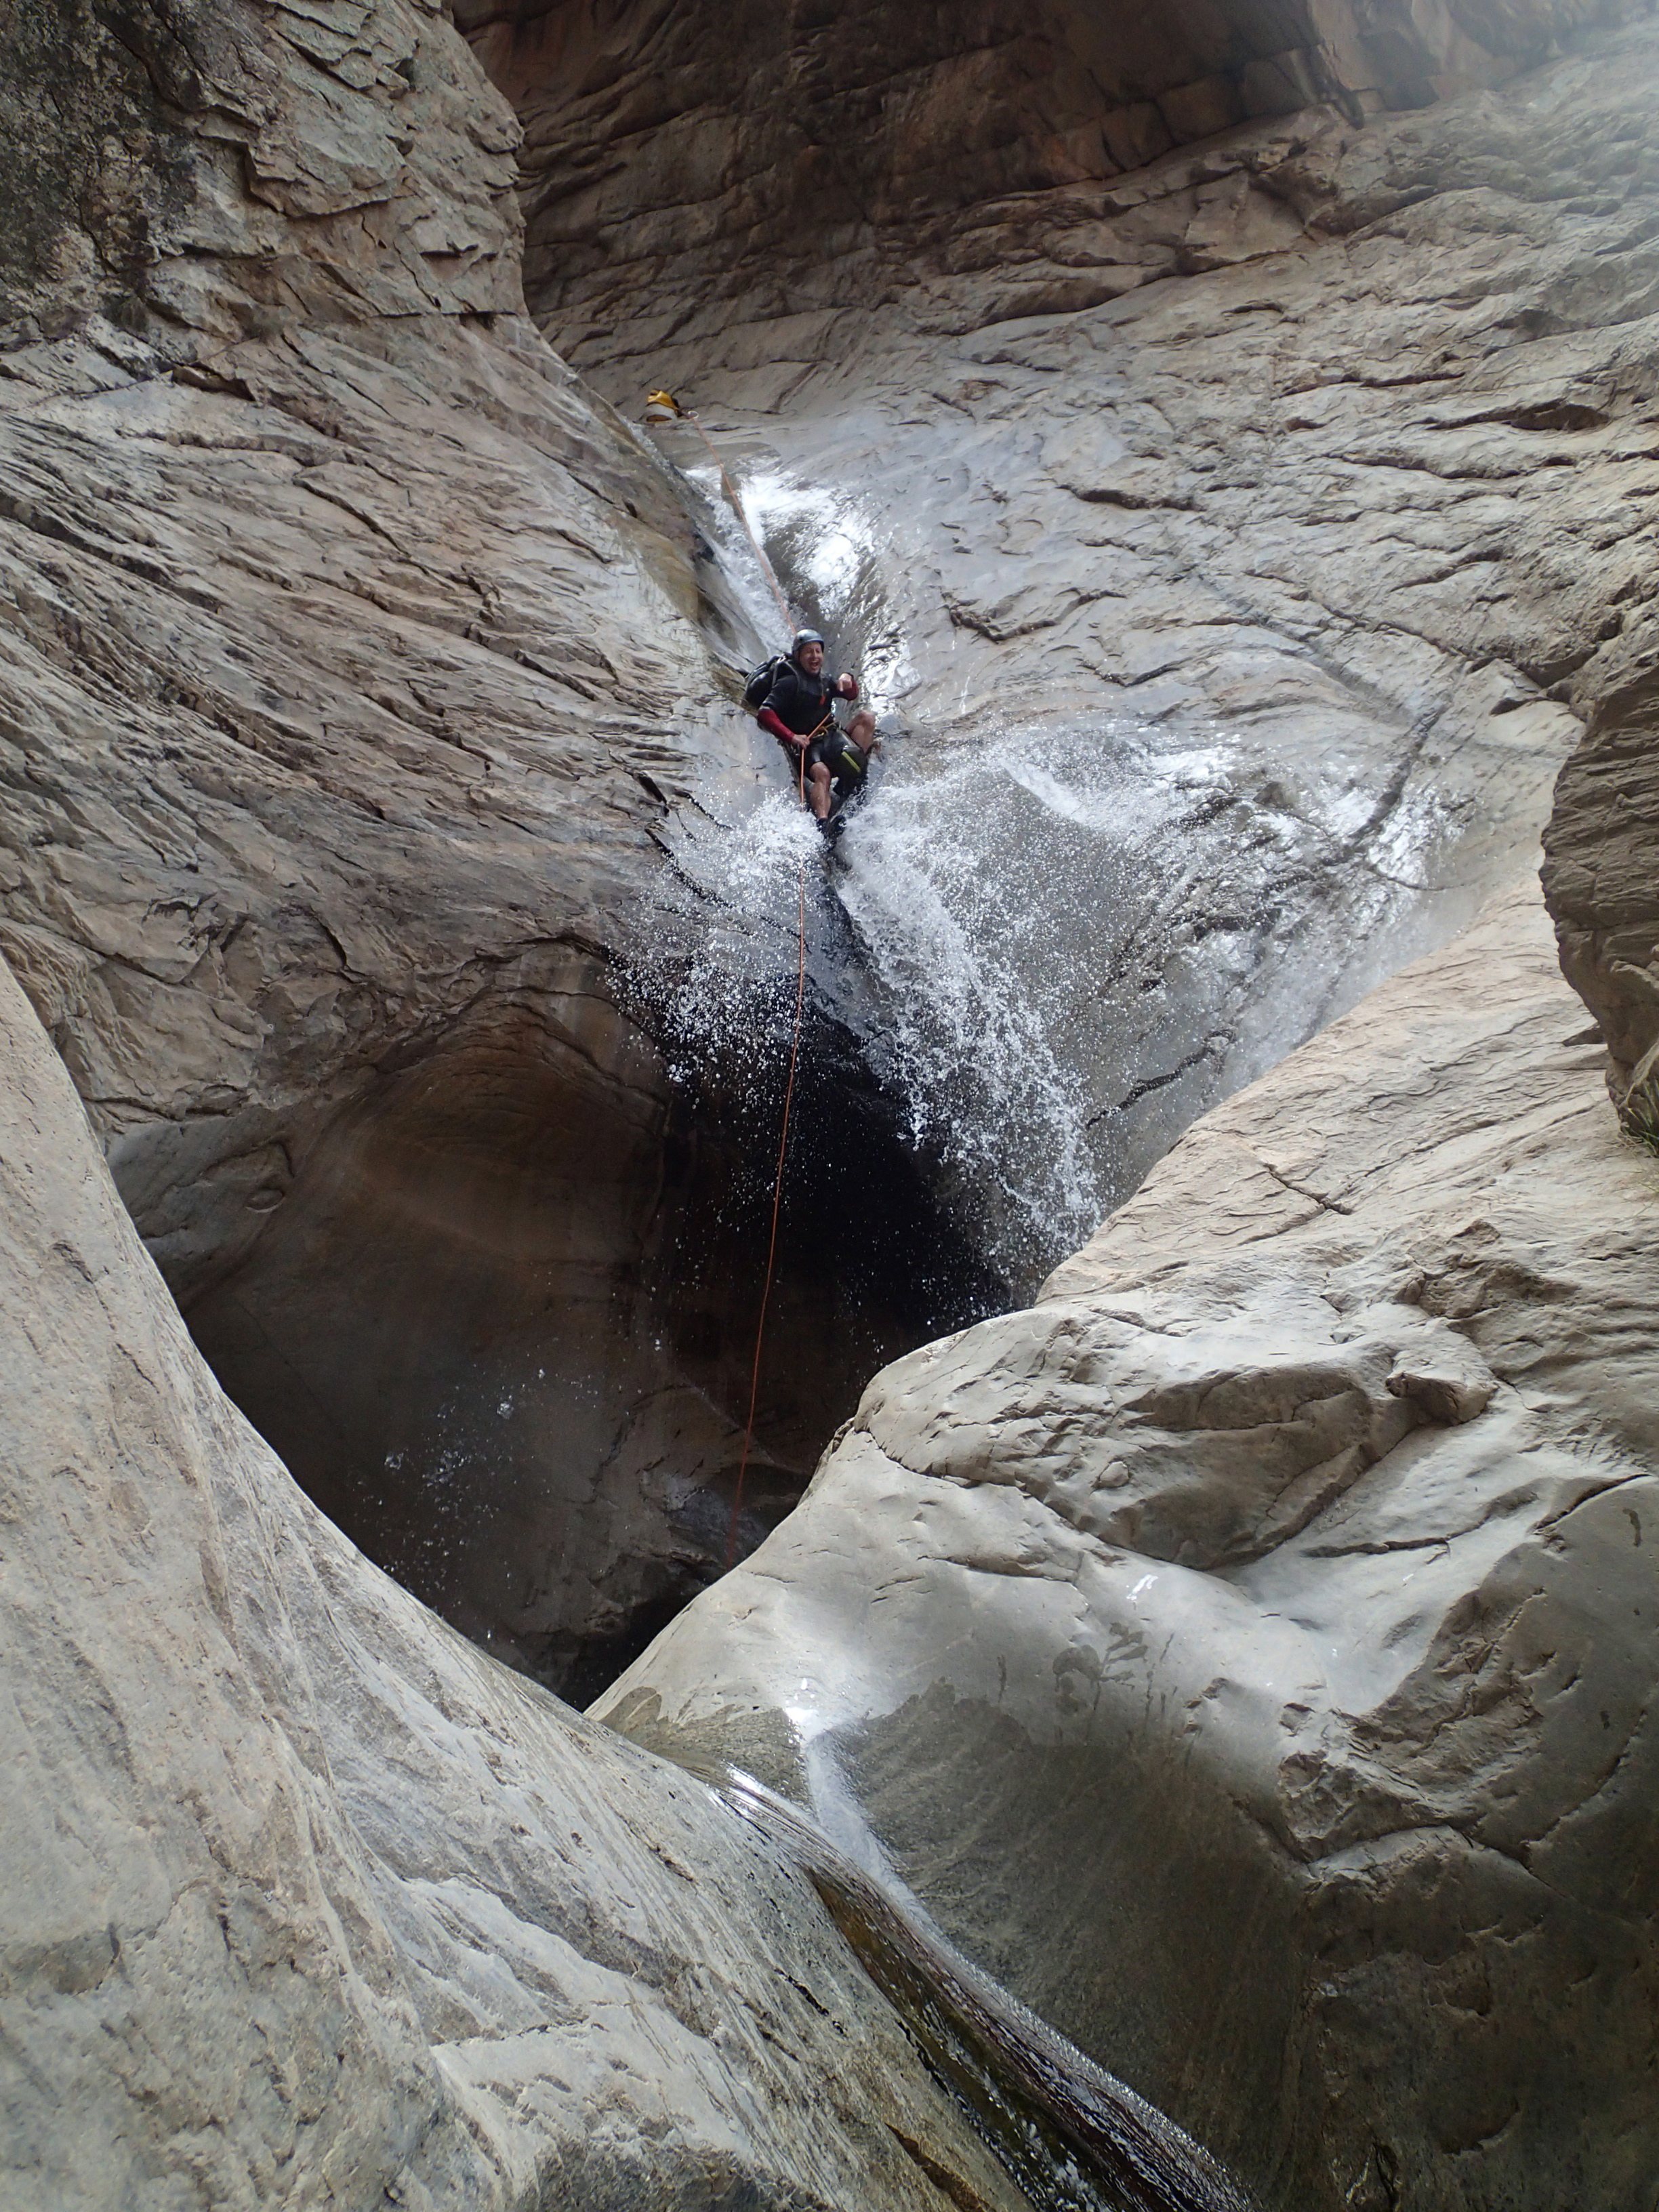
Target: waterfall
(1053,941)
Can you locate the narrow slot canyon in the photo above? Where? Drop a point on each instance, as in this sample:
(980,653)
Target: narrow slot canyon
(1162,1721)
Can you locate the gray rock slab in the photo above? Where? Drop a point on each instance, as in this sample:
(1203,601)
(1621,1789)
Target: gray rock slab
(342,622)
(307,1901)
(352,658)
(709,165)
(1247,1650)
(1334,521)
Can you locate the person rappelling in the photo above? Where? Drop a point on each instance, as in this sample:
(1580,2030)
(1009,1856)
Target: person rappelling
(789,696)
(799,708)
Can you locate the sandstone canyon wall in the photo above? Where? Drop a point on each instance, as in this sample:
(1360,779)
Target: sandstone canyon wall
(1600,880)
(307,1901)
(1328,483)
(362,715)
(702,165)
(384,647)
(1326,428)
(349,675)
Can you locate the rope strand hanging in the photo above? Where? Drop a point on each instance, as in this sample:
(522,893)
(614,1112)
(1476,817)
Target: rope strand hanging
(666,402)
(777,1199)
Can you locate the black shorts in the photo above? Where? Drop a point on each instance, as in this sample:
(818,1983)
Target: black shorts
(845,763)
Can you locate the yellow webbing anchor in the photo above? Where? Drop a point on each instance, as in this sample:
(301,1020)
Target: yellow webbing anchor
(663,407)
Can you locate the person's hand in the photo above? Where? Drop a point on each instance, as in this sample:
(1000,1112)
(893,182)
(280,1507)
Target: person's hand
(847,686)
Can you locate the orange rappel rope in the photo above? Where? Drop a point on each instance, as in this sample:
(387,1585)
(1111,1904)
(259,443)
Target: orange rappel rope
(667,400)
(777,1199)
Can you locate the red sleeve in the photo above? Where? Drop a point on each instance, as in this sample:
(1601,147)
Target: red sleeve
(776,723)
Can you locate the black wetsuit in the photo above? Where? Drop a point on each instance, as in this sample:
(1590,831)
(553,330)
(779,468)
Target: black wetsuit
(800,701)
(804,703)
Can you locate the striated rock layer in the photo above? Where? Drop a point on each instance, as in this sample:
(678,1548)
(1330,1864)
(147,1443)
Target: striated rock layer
(740,164)
(1245,1651)
(354,651)
(306,1900)
(1248,1651)
(1321,449)
(356,679)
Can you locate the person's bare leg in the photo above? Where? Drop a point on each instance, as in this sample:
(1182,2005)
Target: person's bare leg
(862,731)
(818,791)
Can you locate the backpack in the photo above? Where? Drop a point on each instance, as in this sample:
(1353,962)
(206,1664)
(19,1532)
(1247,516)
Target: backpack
(758,689)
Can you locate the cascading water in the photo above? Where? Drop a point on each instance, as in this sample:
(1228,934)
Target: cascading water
(928,951)
(980,959)
(1071,2135)
(1045,942)
(928,959)
(1076,937)
(1051,941)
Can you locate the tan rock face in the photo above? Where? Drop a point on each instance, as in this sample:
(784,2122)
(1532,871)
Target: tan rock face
(348,677)
(352,676)
(790,168)
(180,147)
(1290,1559)
(307,1899)
(1247,1650)
(1337,543)
(1601,880)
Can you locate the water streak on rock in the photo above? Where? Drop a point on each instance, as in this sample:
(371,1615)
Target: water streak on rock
(1072,2134)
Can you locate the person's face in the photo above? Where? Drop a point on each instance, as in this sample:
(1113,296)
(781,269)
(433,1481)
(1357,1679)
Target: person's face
(812,659)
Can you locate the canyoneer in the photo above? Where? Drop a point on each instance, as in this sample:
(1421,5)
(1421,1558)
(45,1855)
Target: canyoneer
(798,708)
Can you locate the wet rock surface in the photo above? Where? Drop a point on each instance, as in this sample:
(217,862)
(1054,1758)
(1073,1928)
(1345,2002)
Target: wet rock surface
(307,1899)
(1293,1554)
(1601,882)
(1344,502)
(359,680)
(354,652)
(502,1328)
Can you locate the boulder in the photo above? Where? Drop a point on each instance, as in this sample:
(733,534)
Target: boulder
(1247,1651)
(306,1900)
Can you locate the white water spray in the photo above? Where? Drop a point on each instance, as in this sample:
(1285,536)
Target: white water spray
(1052,941)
